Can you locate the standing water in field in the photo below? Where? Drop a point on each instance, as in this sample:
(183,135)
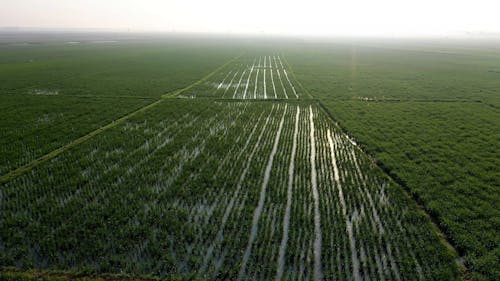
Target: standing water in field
(262,198)
(286,220)
(318,273)
(238,188)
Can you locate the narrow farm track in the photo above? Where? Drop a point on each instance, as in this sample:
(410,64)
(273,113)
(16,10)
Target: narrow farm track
(23,169)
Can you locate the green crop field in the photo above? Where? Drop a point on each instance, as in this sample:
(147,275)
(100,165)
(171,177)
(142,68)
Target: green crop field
(429,114)
(33,125)
(54,92)
(137,68)
(218,159)
(262,76)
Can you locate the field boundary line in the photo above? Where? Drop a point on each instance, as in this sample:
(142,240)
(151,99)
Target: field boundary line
(54,153)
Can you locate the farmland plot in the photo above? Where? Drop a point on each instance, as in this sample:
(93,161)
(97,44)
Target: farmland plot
(261,77)
(33,125)
(230,191)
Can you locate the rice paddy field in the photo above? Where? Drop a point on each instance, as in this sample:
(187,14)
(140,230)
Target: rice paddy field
(428,114)
(185,158)
(259,77)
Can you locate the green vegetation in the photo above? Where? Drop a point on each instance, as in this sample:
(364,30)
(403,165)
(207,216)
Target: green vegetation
(124,68)
(444,152)
(431,119)
(35,125)
(398,71)
(54,92)
(179,159)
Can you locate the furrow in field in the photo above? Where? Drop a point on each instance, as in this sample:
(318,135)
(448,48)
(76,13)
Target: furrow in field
(119,179)
(286,220)
(336,173)
(172,128)
(262,197)
(290,83)
(298,258)
(190,247)
(348,220)
(279,78)
(223,80)
(237,148)
(332,253)
(318,272)
(281,63)
(230,83)
(378,228)
(239,83)
(287,78)
(248,80)
(265,87)
(274,87)
(256,83)
(229,254)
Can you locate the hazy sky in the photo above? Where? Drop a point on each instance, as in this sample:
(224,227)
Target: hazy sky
(313,17)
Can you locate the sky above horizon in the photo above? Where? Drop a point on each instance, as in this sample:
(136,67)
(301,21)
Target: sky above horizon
(287,17)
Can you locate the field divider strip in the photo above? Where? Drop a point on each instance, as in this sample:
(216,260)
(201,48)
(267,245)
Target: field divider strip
(27,167)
